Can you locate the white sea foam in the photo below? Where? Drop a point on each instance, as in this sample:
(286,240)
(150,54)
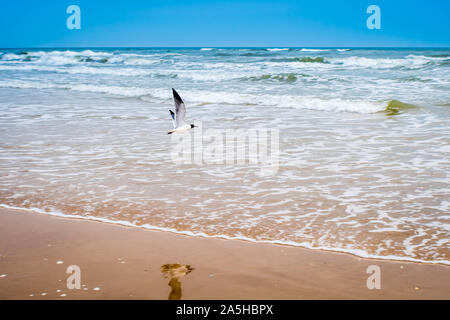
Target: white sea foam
(356,252)
(141,61)
(382,63)
(11,56)
(201,97)
(81,70)
(121,91)
(300,102)
(68,57)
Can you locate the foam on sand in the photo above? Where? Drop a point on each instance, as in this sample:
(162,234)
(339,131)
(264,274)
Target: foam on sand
(356,252)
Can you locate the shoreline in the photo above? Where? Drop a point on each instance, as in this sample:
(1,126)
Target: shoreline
(223,237)
(120,262)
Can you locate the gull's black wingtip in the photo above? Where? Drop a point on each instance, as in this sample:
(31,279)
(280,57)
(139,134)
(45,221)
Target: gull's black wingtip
(176,96)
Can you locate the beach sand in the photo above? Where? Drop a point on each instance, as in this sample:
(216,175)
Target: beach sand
(119,262)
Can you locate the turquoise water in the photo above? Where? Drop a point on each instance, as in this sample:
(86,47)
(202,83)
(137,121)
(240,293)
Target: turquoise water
(289,77)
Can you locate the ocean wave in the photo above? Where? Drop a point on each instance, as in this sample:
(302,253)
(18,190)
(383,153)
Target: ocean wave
(314,50)
(113,90)
(11,56)
(257,54)
(206,49)
(302,59)
(282,77)
(412,62)
(356,62)
(277,49)
(202,97)
(140,61)
(89,59)
(395,107)
(440,55)
(87,70)
(99,59)
(223,54)
(415,79)
(196,75)
(68,57)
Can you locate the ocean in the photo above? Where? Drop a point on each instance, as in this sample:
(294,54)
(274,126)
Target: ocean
(364,143)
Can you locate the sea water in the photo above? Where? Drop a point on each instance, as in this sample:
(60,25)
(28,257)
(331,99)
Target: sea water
(364,143)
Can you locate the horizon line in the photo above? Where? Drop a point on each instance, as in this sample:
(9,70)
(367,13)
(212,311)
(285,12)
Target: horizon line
(230,47)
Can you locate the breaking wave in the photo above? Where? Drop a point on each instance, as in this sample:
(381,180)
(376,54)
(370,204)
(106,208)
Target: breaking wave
(277,49)
(314,50)
(71,59)
(202,97)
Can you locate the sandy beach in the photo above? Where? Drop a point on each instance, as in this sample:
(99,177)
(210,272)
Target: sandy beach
(119,262)
(205,151)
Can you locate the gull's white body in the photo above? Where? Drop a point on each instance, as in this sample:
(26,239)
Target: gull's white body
(182,129)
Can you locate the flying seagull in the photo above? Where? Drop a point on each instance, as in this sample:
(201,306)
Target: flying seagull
(179,116)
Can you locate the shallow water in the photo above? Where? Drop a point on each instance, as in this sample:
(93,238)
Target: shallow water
(84,133)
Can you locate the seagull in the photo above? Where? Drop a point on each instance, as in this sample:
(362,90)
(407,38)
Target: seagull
(179,116)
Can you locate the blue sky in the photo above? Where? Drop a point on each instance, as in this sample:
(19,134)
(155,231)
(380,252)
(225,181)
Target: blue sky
(208,23)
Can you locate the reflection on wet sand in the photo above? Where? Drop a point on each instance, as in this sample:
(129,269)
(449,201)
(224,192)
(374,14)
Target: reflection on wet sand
(174,272)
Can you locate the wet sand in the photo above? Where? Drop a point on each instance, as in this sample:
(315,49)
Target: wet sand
(131,263)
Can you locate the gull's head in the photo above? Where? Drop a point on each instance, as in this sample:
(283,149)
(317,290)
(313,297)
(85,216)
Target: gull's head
(193,126)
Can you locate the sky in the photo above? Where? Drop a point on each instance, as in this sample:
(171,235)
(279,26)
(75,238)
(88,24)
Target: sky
(210,23)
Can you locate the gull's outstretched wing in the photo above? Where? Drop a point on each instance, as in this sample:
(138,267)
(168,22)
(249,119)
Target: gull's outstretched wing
(180,109)
(172,114)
